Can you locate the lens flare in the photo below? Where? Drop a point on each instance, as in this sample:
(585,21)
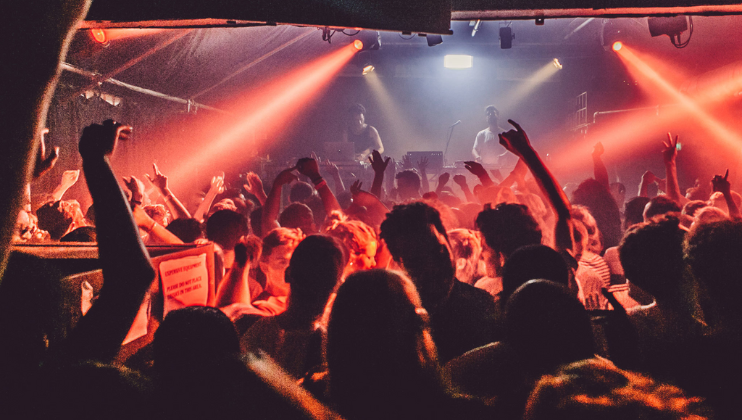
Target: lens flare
(99,36)
(617,46)
(358,44)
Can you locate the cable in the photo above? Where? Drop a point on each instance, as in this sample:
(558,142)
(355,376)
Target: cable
(345,33)
(679,44)
(407,39)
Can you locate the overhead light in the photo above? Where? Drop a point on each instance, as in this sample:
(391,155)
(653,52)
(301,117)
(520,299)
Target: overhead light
(458,61)
(557,64)
(358,44)
(99,36)
(370,40)
(673,27)
(506,37)
(617,45)
(433,39)
(368,68)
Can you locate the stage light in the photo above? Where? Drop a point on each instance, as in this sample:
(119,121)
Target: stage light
(358,44)
(617,45)
(433,40)
(506,37)
(368,68)
(458,61)
(370,40)
(99,36)
(672,27)
(557,64)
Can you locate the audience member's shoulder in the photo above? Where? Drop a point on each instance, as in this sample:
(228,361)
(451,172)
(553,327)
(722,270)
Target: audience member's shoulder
(467,291)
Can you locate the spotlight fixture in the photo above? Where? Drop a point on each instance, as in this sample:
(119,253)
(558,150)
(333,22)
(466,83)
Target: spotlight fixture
(370,40)
(540,21)
(434,40)
(673,27)
(99,36)
(557,64)
(358,44)
(506,37)
(368,68)
(617,46)
(458,61)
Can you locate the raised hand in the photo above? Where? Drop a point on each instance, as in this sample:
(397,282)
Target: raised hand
(406,162)
(671,149)
(284,177)
(355,188)
(721,184)
(217,183)
(331,169)
(69,178)
(460,180)
(649,177)
(44,164)
(598,149)
(422,164)
(443,180)
(475,168)
(253,184)
(515,141)
(309,167)
(136,187)
(99,140)
(378,164)
(158,180)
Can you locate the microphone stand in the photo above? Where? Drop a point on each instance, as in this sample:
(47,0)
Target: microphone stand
(450,133)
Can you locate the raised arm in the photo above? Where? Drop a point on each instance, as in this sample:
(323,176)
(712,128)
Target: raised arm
(669,154)
(310,168)
(516,141)
(273,201)
(722,185)
(127,271)
(518,174)
(379,166)
(375,208)
(254,185)
(442,181)
(234,287)
(460,180)
(599,170)
(159,181)
(647,178)
(478,170)
(217,187)
(69,178)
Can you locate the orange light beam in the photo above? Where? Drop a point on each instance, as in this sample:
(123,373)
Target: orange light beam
(721,133)
(276,105)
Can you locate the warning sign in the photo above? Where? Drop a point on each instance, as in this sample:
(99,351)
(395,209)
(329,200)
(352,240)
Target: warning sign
(184,282)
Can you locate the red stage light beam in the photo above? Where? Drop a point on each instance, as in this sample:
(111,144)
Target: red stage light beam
(270,108)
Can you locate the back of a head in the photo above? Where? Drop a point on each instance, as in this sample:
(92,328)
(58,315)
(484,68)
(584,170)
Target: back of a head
(690,208)
(652,256)
(591,194)
(596,389)
(81,234)
(547,326)
(408,179)
(583,215)
(315,268)
(376,341)
(406,224)
(507,227)
(300,192)
(533,262)
(356,237)
(53,219)
(660,205)
(226,227)
(191,337)
(297,216)
(187,230)
(714,253)
(635,211)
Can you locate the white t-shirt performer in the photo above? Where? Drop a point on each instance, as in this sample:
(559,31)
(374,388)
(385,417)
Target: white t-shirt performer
(487,148)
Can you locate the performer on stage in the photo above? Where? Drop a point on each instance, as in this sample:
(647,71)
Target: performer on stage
(487,147)
(365,137)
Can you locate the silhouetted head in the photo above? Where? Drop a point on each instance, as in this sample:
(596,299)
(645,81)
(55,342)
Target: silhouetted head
(191,336)
(300,192)
(55,218)
(408,184)
(658,206)
(226,227)
(81,234)
(595,238)
(533,262)
(505,228)
(315,268)
(652,256)
(634,212)
(491,114)
(598,199)
(298,216)
(187,230)
(690,208)
(418,242)
(547,326)
(379,349)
